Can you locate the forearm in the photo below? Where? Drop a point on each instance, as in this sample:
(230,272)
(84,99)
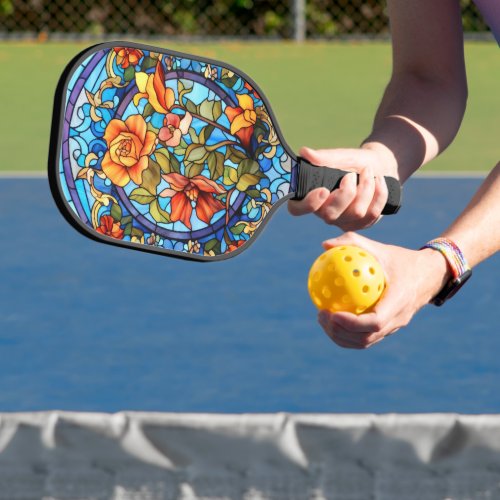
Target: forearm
(424,103)
(416,120)
(477,230)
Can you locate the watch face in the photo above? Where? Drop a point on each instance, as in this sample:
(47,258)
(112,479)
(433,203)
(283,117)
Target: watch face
(451,288)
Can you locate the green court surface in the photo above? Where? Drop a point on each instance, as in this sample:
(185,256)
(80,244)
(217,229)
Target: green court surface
(323,94)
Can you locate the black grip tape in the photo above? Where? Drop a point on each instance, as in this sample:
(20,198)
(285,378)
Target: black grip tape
(312,177)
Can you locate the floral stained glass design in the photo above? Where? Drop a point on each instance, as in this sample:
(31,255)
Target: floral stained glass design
(167,151)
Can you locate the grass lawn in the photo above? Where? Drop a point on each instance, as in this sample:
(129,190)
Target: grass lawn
(323,94)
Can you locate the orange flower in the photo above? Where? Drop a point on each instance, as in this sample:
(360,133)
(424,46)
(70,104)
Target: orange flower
(129,146)
(152,87)
(127,57)
(234,245)
(110,227)
(242,118)
(199,189)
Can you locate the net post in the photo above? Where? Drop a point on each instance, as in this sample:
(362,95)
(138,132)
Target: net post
(299,20)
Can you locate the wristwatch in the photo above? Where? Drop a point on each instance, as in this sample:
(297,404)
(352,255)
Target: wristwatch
(460,270)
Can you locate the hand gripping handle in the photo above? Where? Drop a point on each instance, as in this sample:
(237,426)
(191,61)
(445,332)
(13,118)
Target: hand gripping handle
(311,177)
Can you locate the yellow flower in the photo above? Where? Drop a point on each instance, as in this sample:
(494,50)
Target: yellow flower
(152,87)
(242,118)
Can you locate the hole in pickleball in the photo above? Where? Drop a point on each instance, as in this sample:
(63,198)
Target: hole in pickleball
(359,310)
(372,271)
(330,268)
(362,254)
(366,289)
(346,299)
(339,281)
(317,276)
(327,293)
(348,258)
(379,288)
(356,273)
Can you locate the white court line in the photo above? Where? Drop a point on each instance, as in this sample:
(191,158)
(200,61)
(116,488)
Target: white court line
(23,174)
(454,174)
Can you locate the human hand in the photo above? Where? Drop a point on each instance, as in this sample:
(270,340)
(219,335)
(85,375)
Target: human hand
(352,206)
(413,278)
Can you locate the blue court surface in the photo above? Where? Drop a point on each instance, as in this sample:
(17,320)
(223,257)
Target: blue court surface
(91,327)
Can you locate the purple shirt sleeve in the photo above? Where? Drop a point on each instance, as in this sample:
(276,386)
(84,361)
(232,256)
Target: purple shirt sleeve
(490,9)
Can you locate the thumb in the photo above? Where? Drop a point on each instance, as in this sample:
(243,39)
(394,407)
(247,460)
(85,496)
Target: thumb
(338,158)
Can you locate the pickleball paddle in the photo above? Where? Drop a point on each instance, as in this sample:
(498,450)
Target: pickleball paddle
(166,152)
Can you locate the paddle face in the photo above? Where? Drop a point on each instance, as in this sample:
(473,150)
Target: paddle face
(160,151)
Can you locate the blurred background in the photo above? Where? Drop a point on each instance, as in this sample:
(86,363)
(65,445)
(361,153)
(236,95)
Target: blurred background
(282,19)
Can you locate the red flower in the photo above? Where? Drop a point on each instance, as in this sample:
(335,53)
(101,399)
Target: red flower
(199,189)
(110,227)
(127,57)
(173,128)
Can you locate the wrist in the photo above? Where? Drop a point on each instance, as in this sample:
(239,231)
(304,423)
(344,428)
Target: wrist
(386,157)
(437,272)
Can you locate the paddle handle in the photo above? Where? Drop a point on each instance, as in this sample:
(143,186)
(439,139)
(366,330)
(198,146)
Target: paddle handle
(311,177)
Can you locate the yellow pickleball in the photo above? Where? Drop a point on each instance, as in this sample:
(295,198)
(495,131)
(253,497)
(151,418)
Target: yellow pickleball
(346,278)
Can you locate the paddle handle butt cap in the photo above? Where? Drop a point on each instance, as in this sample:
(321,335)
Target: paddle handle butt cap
(312,177)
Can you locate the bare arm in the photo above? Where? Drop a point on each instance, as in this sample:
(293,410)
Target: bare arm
(425,100)
(418,117)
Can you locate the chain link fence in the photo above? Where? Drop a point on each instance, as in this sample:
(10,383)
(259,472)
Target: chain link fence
(287,19)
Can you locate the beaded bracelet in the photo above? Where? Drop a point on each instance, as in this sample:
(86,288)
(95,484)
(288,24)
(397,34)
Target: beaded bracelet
(460,269)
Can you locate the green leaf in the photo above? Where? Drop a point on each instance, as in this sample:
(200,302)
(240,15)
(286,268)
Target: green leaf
(127,231)
(217,110)
(174,164)
(137,232)
(253,193)
(206,109)
(228,78)
(129,74)
(215,163)
(162,156)
(213,244)
(142,196)
(148,110)
(196,153)
(194,137)
(158,214)
(151,176)
(190,106)
(247,180)
(116,212)
(230,176)
(126,220)
(238,229)
(147,63)
(193,169)
(248,166)
(205,133)
(235,155)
